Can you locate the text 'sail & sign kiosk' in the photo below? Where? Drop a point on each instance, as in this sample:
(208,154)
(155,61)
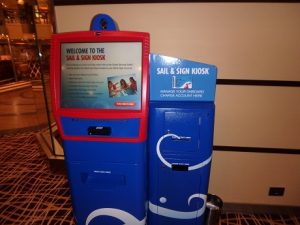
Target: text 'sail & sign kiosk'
(99,90)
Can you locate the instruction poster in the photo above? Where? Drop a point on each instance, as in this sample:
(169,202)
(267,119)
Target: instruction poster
(101,75)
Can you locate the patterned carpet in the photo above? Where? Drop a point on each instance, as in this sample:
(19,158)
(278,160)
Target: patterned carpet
(258,219)
(31,194)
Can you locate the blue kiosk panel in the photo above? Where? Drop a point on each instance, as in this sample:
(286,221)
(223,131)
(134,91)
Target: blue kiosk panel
(181,122)
(119,128)
(180,140)
(108,182)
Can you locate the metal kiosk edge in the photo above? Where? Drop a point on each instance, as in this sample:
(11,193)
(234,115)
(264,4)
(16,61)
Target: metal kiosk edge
(181,121)
(103,127)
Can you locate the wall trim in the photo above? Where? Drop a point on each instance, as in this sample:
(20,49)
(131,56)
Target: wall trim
(89,2)
(256,149)
(259,208)
(272,83)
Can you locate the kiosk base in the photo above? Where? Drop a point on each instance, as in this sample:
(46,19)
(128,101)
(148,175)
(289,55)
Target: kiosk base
(180,140)
(107,183)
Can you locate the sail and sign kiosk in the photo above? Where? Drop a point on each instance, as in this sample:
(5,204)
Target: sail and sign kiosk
(181,121)
(99,85)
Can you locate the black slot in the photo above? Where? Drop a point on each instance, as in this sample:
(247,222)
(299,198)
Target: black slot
(105,131)
(180,167)
(276,191)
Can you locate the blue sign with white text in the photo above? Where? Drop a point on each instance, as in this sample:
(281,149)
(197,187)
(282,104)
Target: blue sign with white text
(181,80)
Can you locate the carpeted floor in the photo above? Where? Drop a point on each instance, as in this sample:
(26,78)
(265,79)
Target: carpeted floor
(258,219)
(31,194)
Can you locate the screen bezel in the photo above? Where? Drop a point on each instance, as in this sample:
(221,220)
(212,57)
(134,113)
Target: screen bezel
(99,36)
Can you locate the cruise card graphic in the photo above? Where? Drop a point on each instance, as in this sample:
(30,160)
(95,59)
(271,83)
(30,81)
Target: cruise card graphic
(183,82)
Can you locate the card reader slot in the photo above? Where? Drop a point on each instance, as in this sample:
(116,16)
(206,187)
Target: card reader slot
(180,167)
(99,131)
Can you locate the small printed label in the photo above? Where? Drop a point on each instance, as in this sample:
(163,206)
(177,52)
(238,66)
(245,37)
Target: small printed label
(132,104)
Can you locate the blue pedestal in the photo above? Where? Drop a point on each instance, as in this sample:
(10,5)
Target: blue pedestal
(108,182)
(180,150)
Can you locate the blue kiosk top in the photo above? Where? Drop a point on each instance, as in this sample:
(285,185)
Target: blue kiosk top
(174,79)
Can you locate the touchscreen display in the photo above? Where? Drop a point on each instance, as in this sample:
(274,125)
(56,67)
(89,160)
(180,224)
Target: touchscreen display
(101,75)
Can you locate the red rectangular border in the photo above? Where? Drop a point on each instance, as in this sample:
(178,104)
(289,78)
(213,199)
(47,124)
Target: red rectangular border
(55,82)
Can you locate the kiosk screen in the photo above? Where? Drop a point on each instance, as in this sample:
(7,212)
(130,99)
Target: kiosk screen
(105,75)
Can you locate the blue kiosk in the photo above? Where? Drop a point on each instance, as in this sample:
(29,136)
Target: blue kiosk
(99,87)
(100,100)
(181,121)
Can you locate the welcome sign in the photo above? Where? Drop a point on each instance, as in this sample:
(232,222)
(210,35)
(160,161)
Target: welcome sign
(101,75)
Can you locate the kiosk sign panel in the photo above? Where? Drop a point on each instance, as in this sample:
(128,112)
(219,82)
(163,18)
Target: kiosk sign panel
(181,80)
(101,75)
